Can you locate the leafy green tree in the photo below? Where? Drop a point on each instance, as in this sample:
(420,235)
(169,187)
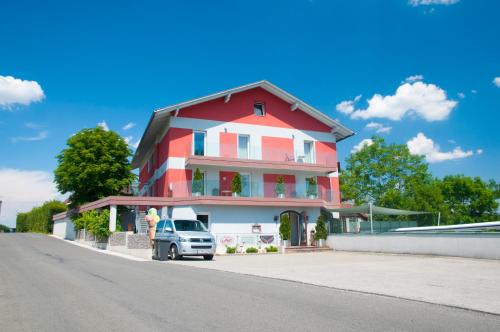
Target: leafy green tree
(285,227)
(4,229)
(380,172)
(21,222)
(39,219)
(95,164)
(197,181)
(236,184)
(468,199)
(321,232)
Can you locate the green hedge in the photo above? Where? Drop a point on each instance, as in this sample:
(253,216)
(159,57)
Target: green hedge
(39,219)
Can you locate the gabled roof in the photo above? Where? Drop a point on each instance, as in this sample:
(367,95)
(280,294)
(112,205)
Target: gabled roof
(159,118)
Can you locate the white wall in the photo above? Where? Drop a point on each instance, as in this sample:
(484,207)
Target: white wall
(64,229)
(460,245)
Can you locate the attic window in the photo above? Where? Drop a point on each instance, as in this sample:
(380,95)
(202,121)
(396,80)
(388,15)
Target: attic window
(258,109)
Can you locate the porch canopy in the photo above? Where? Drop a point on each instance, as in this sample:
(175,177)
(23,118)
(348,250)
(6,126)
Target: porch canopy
(373,209)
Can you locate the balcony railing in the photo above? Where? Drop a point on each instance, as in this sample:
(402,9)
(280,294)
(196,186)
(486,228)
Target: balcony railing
(216,188)
(255,152)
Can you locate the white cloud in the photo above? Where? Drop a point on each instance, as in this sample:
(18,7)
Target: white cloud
(136,144)
(427,101)
(128,126)
(414,78)
(40,136)
(378,127)
(20,190)
(103,125)
(452,141)
(461,95)
(496,81)
(432,2)
(479,151)
(473,91)
(421,145)
(361,145)
(347,106)
(16,91)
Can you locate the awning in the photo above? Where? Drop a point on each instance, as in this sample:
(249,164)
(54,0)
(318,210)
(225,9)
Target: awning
(377,210)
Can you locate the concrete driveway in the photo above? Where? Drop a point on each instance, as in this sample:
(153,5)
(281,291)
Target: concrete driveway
(461,282)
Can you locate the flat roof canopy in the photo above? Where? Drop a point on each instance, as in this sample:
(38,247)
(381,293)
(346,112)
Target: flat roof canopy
(377,210)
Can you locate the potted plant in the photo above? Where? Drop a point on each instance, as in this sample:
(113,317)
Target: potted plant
(197,187)
(236,185)
(311,188)
(280,187)
(321,232)
(285,229)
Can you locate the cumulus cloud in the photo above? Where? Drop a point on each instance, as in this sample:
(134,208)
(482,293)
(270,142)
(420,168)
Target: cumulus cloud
(347,106)
(427,101)
(421,145)
(38,137)
(414,78)
(378,127)
(103,125)
(361,145)
(16,91)
(416,3)
(128,126)
(461,95)
(20,190)
(496,81)
(479,151)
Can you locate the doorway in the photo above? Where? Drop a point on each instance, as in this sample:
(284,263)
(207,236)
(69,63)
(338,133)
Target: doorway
(298,228)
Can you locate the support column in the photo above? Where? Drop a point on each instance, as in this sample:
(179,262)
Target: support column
(163,212)
(112,218)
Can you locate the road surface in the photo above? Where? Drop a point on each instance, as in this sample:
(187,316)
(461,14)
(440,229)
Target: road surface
(49,285)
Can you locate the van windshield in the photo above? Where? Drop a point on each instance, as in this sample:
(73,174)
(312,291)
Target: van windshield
(189,226)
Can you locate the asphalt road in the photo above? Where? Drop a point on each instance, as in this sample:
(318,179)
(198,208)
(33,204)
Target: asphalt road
(49,285)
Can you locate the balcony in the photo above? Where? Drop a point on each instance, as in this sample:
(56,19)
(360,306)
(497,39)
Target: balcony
(258,157)
(253,193)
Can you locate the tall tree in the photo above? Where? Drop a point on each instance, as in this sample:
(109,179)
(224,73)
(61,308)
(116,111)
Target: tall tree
(95,164)
(381,173)
(469,199)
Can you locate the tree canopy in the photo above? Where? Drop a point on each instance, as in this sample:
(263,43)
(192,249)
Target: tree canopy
(95,164)
(389,176)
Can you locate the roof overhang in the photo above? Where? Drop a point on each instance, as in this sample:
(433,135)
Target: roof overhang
(160,116)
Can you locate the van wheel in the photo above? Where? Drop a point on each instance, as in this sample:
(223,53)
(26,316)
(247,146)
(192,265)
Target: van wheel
(208,257)
(174,253)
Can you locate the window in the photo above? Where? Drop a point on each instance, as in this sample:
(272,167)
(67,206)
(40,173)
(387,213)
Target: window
(159,226)
(189,226)
(168,225)
(258,109)
(199,143)
(203,218)
(243,150)
(308,152)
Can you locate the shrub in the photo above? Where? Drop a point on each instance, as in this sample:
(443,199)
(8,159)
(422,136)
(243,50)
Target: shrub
(197,181)
(230,250)
(39,219)
(21,222)
(271,249)
(321,232)
(97,223)
(236,184)
(285,228)
(252,250)
(280,186)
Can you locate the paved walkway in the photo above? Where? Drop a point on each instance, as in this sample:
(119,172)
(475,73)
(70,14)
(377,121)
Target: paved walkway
(461,282)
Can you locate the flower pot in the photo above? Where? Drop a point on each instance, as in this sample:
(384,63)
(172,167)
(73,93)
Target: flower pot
(286,243)
(320,243)
(281,195)
(312,196)
(196,194)
(236,194)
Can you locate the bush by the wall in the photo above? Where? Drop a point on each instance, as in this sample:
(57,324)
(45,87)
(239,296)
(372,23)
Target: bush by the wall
(252,250)
(321,232)
(39,219)
(272,249)
(230,250)
(285,227)
(96,222)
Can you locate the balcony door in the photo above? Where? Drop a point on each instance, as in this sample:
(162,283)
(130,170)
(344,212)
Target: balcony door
(199,143)
(243,146)
(245,184)
(308,152)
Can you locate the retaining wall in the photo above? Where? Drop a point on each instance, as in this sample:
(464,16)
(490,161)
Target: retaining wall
(461,245)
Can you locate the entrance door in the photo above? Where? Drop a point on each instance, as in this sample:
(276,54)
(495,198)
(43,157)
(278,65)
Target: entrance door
(298,236)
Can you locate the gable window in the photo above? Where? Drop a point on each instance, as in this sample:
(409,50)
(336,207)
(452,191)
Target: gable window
(243,149)
(199,143)
(259,109)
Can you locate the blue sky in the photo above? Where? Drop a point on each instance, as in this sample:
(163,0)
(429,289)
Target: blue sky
(118,61)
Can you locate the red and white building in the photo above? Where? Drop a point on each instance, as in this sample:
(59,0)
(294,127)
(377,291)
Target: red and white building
(259,131)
